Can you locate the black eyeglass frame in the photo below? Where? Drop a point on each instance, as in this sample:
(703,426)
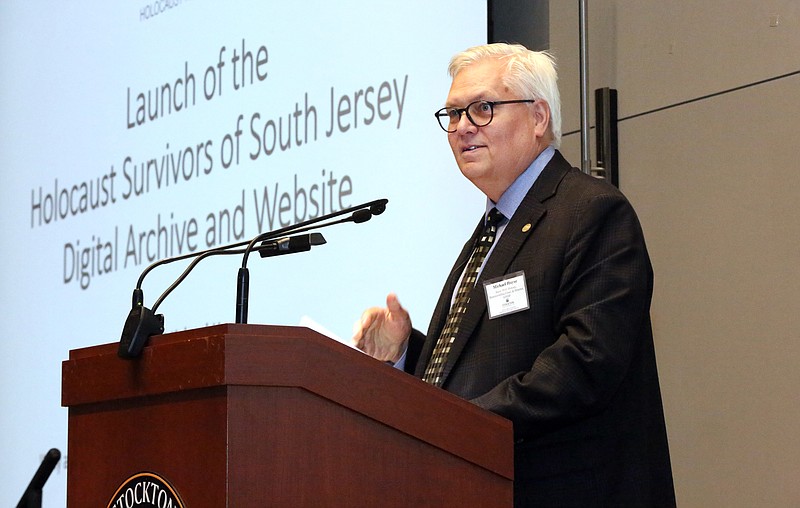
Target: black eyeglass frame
(445,112)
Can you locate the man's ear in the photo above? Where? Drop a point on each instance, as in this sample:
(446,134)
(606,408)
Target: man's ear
(541,112)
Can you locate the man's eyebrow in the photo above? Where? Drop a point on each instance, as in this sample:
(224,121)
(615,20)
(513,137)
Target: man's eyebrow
(482,96)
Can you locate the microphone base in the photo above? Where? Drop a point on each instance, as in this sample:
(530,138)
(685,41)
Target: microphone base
(139,327)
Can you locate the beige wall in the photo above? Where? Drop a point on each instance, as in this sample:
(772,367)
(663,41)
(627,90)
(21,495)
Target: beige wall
(716,183)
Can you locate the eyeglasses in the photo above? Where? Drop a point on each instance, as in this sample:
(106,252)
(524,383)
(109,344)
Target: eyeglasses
(479,113)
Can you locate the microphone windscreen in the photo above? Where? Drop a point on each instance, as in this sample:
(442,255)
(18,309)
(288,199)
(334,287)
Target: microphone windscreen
(362,215)
(379,207)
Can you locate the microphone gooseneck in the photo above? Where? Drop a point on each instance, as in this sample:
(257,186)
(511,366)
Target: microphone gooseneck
(242,288)
(142,322)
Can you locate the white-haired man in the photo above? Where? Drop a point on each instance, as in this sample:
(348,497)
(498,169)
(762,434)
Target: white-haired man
(567,354)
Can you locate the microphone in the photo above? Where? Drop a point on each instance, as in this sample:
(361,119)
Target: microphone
(362,215)
(290,244)
(378,207)
(142,322)
(358,214)
(32,497)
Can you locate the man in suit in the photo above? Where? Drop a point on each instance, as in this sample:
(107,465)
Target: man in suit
(552,331)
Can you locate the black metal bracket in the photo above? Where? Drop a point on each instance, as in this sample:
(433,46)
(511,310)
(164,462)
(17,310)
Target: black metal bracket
(605,103)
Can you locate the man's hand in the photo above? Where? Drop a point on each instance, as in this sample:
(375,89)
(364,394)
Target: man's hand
(383,332)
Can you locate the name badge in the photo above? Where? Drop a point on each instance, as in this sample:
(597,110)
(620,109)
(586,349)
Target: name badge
(506,294)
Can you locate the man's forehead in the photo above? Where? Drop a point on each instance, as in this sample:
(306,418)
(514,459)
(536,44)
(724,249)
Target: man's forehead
(464,97)
(480,80)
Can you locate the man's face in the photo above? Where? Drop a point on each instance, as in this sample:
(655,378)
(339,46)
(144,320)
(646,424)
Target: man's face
(494,155)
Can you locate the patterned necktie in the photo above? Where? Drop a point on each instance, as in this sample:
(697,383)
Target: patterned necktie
(435,368)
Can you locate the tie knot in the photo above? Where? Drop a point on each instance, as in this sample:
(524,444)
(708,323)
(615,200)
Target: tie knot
(494,217)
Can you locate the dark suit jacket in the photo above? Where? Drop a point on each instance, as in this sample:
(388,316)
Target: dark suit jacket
(576,372)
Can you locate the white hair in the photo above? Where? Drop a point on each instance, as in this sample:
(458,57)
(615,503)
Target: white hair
(532,74)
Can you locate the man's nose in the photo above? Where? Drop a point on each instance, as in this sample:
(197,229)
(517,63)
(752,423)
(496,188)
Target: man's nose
(464,123)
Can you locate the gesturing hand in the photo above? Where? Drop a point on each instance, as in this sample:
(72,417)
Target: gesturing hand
(383,332)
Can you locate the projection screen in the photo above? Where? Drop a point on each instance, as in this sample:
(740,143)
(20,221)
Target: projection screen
(133,131)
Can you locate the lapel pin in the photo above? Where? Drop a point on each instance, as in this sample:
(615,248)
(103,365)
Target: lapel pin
(526,228)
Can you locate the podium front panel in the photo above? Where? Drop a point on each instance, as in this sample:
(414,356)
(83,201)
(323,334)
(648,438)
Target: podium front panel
(247,416)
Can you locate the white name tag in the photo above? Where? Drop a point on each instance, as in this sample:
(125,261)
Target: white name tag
(506,295)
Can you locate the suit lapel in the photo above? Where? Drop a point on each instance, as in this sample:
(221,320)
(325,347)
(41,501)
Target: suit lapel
(443,305)
(521,226)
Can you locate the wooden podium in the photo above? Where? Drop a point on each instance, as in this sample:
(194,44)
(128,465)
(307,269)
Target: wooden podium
(249,415)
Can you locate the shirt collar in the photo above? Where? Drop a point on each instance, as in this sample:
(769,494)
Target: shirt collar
(513,196)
